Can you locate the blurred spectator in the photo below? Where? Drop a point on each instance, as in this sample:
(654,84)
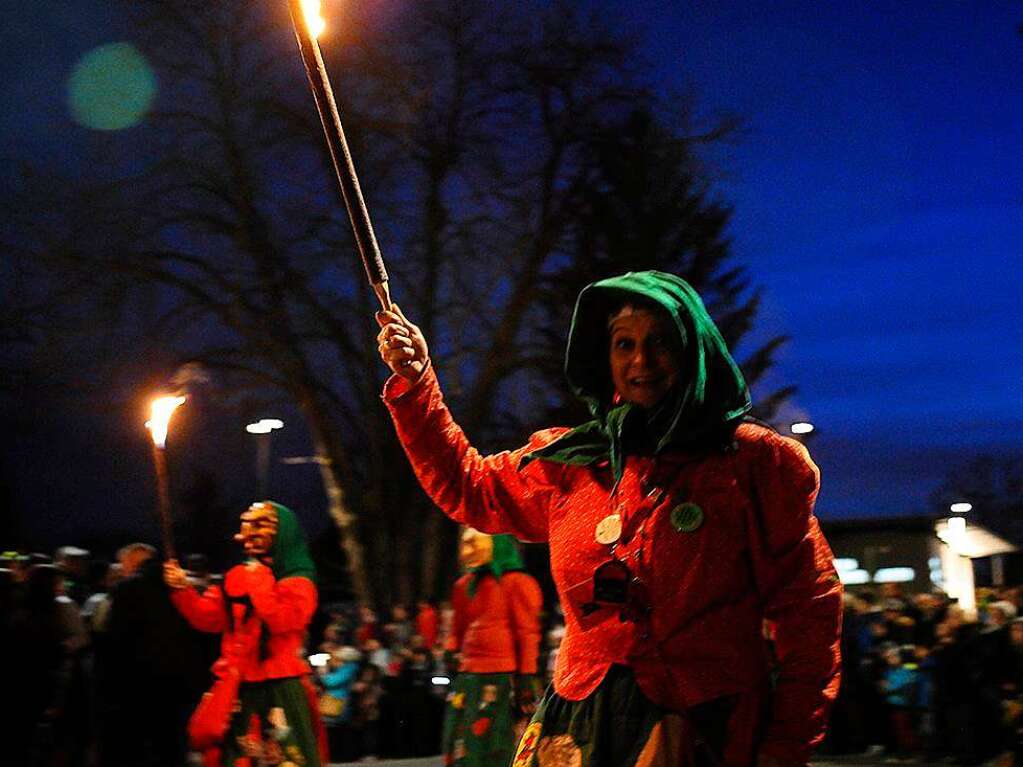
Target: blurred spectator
(415,711)
(926,717)
(367,628)
(18,565)
(377,655)
(96,610)
(1012,693)
(336,680)
(899,683)
(367,696)
(427,622)
(155,667)
(46,638)
(999,613)
(332,638)
(399,629)
(446,622)
(929,613)
(74,564)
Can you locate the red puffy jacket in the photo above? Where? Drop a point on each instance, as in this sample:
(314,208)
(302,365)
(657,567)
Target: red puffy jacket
(757,554)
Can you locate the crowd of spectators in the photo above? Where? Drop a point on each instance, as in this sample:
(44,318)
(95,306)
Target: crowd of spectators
(108,672)
(923,681)
(381,678)
(106,669)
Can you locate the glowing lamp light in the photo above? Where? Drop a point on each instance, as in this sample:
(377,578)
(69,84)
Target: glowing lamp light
(160,412)
(961,507)
(441,680)
(319,660)
(264,426)
(895,575)
(313,19)
(801,427)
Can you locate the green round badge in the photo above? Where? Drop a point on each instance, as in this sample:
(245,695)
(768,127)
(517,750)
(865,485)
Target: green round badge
(686,517)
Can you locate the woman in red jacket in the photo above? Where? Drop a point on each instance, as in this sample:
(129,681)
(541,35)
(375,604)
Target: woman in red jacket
(261,709)
(676,528)
(496,634)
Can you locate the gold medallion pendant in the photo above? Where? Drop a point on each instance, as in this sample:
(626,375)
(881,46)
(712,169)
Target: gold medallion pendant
(609,529)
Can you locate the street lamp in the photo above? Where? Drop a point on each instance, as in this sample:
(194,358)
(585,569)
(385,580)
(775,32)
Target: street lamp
(801,427)
(961,507)
(263,429)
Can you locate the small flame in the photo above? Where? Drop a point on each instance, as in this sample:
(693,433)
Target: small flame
(313,20)
(160,413)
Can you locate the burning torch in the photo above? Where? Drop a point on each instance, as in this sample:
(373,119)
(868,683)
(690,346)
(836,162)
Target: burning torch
(305,18)
(161,411)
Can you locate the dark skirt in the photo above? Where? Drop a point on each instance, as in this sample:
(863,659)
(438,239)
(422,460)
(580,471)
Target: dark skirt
(274,726)
(479,721)
(617,726)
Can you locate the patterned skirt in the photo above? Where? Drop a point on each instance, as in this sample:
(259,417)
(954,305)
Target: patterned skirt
(617,726)
(275,725)
(479,721)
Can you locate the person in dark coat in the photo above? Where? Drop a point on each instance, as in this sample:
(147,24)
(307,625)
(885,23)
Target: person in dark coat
(44,641)
(154,667)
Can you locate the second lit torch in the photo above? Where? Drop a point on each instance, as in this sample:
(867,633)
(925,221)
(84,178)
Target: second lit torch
(161,411)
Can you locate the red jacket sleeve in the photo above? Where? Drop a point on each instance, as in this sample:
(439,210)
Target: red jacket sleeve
(525,600)
(205,612)
(800,592)
(284,605)
(485,492)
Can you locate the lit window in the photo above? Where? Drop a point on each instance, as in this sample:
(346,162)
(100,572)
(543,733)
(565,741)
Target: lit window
(853,577)
(894,575)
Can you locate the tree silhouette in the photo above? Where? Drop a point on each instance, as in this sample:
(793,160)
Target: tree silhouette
(509,156)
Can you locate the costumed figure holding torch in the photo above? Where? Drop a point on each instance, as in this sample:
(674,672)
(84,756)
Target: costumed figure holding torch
(676,528)
(262,707)
(496,632)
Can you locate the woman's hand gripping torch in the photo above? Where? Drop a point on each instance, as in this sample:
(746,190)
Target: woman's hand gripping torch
(161,411)
(305,18)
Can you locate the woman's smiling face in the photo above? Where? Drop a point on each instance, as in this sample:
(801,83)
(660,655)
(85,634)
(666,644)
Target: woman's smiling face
(642,359)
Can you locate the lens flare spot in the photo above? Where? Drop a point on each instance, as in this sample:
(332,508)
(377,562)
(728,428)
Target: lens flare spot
(111,88)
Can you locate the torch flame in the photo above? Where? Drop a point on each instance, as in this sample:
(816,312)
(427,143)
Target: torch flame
(160,412)
(313,20)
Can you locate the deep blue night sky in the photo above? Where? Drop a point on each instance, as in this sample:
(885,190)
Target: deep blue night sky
(877,190)
(878,199)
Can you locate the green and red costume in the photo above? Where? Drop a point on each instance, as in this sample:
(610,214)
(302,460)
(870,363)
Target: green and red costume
(496,630)
(262,709)
(717,529)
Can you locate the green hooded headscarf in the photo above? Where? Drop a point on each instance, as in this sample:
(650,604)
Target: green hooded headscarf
(700,412)
(290,553)
(506,559)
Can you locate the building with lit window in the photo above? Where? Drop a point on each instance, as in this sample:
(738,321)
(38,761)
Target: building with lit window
(921,553)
